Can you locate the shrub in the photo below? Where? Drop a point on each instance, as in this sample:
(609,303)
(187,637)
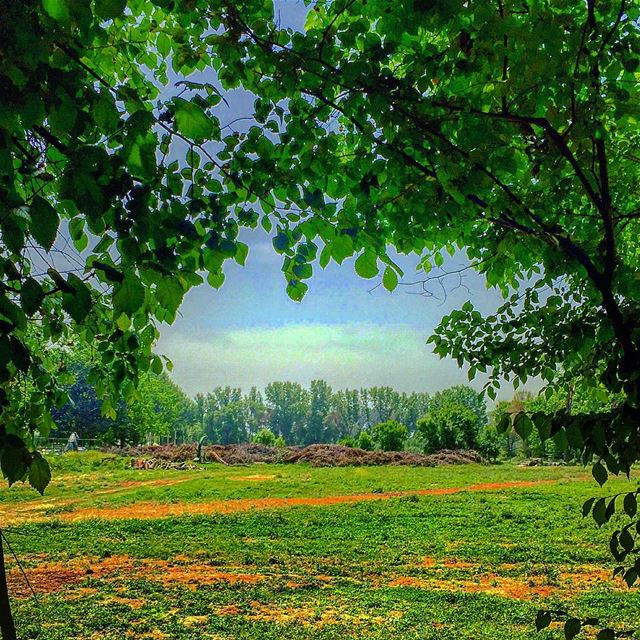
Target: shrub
(280,442)
(265,436)
(390,435)
(450,426)
(348,441)
(365,441)
(490,443)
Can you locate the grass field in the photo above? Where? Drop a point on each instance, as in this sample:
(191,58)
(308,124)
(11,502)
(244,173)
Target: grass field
(284,552)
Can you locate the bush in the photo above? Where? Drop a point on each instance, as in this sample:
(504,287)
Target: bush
(490,443)
(365,441)
(280,442)
(348,441)
(390,435)
(266,437)
(415,443)
(450,426)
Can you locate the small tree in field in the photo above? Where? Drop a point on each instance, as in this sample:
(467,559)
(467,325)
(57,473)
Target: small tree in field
(449,426)
(389,435)
(490,443)
(365,441)
(266,437)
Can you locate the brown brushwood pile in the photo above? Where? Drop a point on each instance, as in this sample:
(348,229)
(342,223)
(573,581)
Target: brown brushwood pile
(317,455)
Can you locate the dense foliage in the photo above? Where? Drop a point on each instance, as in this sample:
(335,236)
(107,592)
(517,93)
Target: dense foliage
(507,130)
(390,435)
(504,129)
(161,411)
(110,207)
(454,420)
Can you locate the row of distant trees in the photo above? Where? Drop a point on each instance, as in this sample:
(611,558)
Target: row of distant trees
(288,413)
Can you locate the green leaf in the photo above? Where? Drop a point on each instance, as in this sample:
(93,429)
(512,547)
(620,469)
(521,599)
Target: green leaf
(543,620)
(599,512)
(390,279)
(606,634)
(156,365)
(572,628)
(39,473)
(341,247)
(504,424)
(242,250)
(76,231)
(281,242)
(522,425)
(109,9)
(12,234)
(626,540)
(630,577)
(128,297)
(586,507)
(296,290)
(599,473)
(14,460)
(78,303)
(169,293)
(163,43)
(57,9)
(191,120)
(111,273)
(31,296)
(630,504)
(367,264)
(44,222)
(123,322)
(216,280)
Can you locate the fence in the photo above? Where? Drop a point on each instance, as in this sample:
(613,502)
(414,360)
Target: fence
(59,445)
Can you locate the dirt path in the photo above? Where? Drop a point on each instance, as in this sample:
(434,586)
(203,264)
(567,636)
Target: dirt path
(149,510)
(36,510)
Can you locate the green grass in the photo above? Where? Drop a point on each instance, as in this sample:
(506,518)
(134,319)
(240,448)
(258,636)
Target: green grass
(465,565)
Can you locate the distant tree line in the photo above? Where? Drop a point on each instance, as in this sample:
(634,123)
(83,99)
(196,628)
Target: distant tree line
(286,413)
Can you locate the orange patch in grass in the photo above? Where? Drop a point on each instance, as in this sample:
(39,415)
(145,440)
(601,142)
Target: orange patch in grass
(52,577)
(152,510)
(491,584)
(313,617)
(228,610)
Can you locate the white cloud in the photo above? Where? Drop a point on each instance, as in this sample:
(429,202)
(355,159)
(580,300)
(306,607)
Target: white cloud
(346,355)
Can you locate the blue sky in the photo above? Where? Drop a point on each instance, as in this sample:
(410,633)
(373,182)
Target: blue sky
(250,333)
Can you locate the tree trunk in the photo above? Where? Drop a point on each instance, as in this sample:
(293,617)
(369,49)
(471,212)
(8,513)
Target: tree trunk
(7,626)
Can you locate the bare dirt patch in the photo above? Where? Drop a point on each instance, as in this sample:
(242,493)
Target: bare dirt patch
(68,577)
(55,576)
(492,584)
(587,577)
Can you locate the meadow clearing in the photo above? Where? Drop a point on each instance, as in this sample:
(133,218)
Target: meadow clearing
(293,551)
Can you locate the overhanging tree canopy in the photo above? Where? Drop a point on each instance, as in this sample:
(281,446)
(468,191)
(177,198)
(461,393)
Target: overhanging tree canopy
(507,130)
(110,206)
(504,129)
